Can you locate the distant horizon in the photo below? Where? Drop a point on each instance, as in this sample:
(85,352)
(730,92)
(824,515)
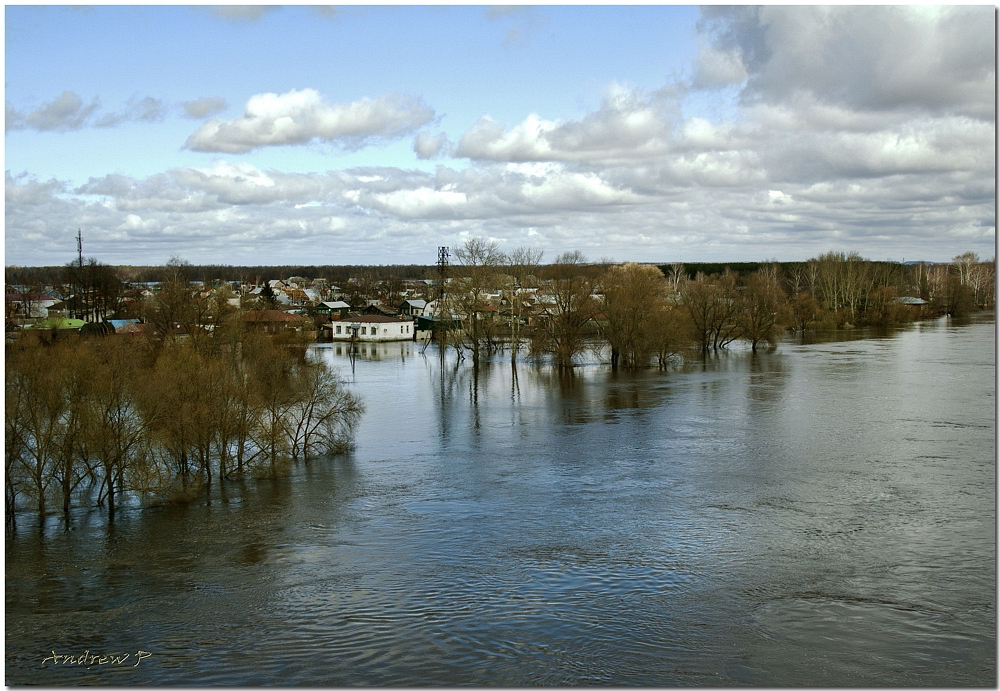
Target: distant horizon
(374,134)
(433,265)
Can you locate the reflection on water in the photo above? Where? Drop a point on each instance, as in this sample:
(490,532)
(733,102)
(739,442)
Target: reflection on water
(823,514)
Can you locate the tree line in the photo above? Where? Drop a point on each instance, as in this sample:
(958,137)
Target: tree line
(339,274)
(645,313)
(110,419)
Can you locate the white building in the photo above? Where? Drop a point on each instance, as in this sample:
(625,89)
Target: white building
(370,328)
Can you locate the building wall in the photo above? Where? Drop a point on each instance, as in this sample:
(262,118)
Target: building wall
(387,331)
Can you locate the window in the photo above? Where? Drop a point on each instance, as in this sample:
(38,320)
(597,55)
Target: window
(407,328)
(338,329)
(363,330)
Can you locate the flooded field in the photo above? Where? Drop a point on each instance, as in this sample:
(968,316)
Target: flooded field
(824,514)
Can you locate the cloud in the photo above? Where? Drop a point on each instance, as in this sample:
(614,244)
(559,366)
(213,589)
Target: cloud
(26,190)
(524,22)
(147,109)
(204,107)
(243,13)
(427,146)
(876,58)
(717,68)
(699,206)
(628,124)
(67,112)
(300,117)
(326,11)
(832,133)
(494,12)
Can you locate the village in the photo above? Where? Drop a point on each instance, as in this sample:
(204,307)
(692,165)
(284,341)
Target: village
(487,302)
(392,310)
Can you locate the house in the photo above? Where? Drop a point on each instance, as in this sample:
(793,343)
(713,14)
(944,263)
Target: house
(413,308)
(273,321)
(336,308)
(374,308)
(28,306)
(297,296)
(371,328)
(429,325)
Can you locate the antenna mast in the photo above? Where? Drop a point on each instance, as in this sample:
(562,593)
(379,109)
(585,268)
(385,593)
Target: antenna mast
(79,247)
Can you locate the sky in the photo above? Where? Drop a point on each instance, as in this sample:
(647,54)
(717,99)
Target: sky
(256,135)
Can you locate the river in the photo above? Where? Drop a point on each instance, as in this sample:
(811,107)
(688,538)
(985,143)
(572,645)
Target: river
(823,514)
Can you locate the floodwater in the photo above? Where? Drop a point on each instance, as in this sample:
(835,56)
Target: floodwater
(823,514)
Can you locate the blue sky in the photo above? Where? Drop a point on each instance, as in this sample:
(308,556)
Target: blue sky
(253,135)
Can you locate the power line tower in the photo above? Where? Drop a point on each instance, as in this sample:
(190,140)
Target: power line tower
(442,263)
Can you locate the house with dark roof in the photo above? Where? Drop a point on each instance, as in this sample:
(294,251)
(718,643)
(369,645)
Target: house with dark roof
(376,308)
(274,321)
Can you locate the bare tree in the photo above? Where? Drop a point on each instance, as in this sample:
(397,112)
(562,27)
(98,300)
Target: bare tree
(763,309)
(712,306)
(632,293)
(522,262)
(565,307)
(477,278)
(804,310)
(676,277)
(322,418)
(116,433)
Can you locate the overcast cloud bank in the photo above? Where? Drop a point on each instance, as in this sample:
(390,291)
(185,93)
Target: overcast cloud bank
(841,135)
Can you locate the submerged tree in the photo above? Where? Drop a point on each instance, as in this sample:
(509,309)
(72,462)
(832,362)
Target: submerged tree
(633,293)
(565,307)
(712,306)
(124,419)
(321,419)
(762,310)
(478,277)
(522,263)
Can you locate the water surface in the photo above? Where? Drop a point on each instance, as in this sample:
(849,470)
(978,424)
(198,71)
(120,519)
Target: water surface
(819,515)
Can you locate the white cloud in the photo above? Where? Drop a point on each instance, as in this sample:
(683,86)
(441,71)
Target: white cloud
(302,116)
(427,146)
(629,124)
(423,202)
(489,140)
